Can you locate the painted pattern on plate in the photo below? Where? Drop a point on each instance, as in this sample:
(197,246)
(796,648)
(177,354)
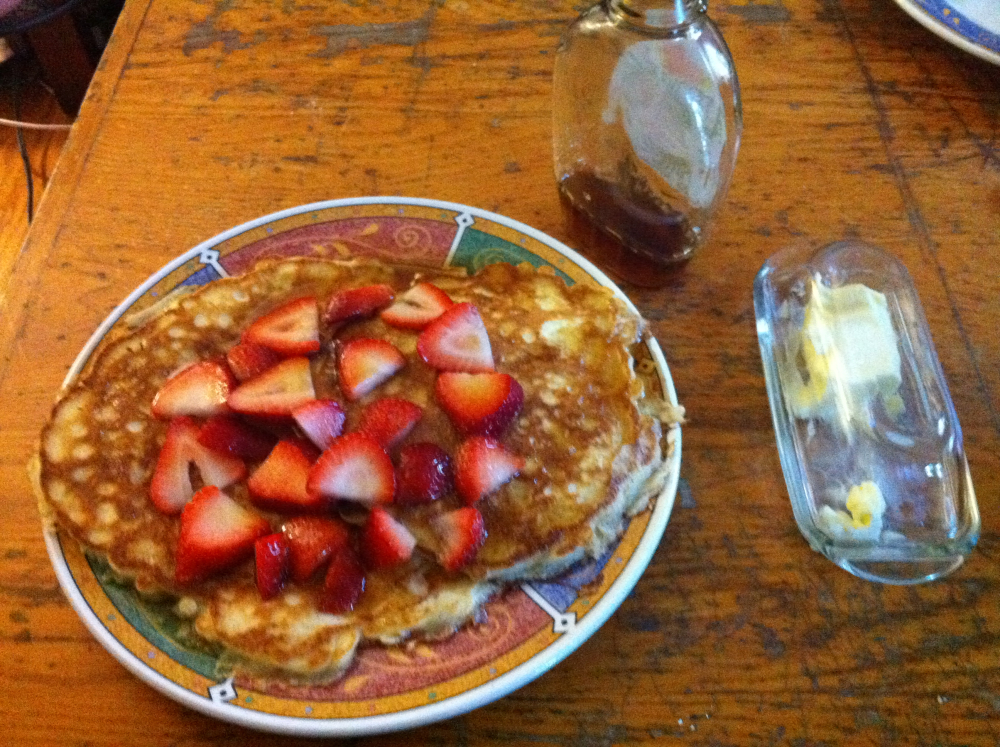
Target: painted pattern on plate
(516,626)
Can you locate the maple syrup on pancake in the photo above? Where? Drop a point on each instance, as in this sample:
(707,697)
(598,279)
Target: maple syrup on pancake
(628,232)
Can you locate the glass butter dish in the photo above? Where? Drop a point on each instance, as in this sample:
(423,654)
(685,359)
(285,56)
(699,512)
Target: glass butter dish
(867,433)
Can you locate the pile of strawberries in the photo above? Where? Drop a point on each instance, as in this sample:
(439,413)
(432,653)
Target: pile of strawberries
(257,406)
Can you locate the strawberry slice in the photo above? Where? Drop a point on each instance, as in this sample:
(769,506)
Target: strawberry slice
(215,468)
(461,533)
(292,329)
(171,486)
(247,360)
(273,565)
(311,541)
(358,303)
(482,465)
(481,404)
(229,435)
(354,468)
(418,307)
(277,391)
(389,420)
(216,534)
(201,390)
(457,341)
(365,364)
(423,475)
(322,420)
(279,484)
(385,542)
(345,582)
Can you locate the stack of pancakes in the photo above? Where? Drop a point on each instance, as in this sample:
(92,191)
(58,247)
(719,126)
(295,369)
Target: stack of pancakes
(592,436)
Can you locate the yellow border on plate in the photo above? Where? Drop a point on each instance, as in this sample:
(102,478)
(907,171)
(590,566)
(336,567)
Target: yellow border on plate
(187,678)
(469,680)
(120,628)
(141,648)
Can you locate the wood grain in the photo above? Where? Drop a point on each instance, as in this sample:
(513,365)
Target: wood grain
(859,123)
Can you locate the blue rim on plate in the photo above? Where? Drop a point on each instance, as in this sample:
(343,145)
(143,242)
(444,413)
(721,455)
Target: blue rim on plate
(968,24)
(116,619)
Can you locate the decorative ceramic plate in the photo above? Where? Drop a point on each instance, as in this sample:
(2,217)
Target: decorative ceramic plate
(972,25)
(528,629)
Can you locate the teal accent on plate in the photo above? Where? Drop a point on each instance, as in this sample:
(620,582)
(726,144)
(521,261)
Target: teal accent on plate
(154,622)
(478,249)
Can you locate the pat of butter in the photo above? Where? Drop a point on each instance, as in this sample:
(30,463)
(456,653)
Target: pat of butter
(849,353)
(863,518)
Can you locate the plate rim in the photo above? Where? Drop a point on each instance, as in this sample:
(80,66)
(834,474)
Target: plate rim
(918,13)
(471,699)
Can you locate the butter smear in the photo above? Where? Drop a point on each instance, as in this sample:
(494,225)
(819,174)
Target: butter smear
(863,518)
(845,357)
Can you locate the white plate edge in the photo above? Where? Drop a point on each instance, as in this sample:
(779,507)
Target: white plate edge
(935,26)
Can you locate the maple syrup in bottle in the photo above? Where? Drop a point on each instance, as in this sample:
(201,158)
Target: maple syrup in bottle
(646,126)
(634,237)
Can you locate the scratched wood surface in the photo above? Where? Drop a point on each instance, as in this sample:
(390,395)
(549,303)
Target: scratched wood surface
(859,123)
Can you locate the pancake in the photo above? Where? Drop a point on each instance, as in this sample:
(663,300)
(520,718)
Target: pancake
(593,442)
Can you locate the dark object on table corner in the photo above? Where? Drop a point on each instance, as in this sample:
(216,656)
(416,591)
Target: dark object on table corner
(66,37)
(60,40)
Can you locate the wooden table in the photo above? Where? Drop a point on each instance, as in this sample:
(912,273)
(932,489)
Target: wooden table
(858,123)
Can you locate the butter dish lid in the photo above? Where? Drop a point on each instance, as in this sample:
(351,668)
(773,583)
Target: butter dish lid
(869,441)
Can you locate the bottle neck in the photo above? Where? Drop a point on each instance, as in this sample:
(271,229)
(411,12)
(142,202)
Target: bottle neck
(658,14)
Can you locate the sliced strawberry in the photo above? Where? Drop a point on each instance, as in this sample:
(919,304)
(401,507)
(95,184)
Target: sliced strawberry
(279,484)
(171,486)
(385,542)
(247,360)
(358,303)
(354,468)
(482,465)
(307,447)
(311,541)
(292,329)
(322,420)
(418,307)
(345,582)
(217,469)
(389,420)
(273,564)
(277,391)
(457,341)
(200,389)
(216,534)
(461,533)
(481,404)
(365,364)
(229,435)
(423,475)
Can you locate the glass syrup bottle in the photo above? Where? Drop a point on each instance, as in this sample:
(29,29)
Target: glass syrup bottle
(646,125)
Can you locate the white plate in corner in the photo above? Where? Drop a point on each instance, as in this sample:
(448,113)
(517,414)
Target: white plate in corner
(970,25)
